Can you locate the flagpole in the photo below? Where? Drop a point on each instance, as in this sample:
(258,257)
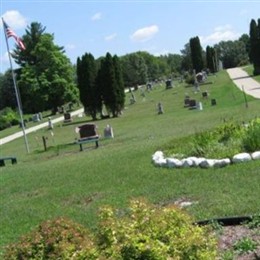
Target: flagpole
(16,93)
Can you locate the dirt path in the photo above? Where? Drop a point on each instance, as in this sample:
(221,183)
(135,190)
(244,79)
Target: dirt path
(243,81)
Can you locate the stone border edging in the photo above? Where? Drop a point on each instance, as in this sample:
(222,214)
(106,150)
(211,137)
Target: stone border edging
(159,160)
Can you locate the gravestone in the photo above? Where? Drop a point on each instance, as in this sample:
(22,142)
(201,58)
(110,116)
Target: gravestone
(196,86)
(160,108)
(108,132)
(87,130)
(186,101)
(192,104)
(50,124)
(205,94)
(35,118)
(168,84)
(213,102)
(199,106)
(40,116)
(67,118)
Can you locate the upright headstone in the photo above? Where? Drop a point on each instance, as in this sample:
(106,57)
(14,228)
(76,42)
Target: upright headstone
(50,124)
(108,132)
(35,118)
(67,117)
(160,108)
(168,83)
(40,116)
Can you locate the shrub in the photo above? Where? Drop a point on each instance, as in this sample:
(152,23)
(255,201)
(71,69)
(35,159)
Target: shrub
(201,143)
(149,232)
(8,117)
(142,232)
(55,239)
(251,139)
(189,79)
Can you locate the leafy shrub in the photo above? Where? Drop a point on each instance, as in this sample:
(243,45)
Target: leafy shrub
(251,139)
(57,239)
(201,143)
(245,245)
(149,232)
(189,79)
(224,141)
(142,232)
(8,117)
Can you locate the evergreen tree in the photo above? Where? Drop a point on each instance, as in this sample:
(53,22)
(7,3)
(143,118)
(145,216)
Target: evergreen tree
(120,88)
(254,54)
(7,91)
(110,84)
(196,54)
(211,59)
(186,63)
(86,74)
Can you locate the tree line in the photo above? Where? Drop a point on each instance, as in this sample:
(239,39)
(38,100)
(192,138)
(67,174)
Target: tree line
(47,79)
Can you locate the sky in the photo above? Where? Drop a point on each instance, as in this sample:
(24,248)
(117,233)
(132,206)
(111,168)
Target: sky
(122,27)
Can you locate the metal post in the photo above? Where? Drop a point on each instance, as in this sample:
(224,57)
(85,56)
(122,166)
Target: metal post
(17,94)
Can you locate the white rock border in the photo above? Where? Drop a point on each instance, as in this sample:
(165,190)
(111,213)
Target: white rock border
(158,159)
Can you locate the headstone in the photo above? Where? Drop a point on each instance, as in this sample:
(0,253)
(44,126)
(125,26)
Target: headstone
(35,118)
(87,130)
(196,86)
(213,102)
(186,102)
(199,106)
(205,94)
(40,116)
(108,132)
(168,84)
(50,124)
(67,118)
(192,104)
(160,108)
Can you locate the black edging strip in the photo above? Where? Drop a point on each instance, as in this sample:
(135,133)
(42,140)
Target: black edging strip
(231,221)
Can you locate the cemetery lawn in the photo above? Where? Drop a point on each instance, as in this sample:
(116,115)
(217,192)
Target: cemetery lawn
(66,182)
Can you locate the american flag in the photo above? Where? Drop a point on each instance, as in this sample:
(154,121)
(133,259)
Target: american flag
(10,33)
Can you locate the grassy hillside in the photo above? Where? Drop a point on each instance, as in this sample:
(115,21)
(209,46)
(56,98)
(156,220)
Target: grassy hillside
(66,182)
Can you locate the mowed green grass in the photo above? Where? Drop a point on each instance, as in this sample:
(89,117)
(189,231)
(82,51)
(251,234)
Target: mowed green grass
(66,182)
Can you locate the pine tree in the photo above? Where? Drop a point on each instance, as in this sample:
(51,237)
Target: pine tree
(110,84)
(196,54)
(254,54)
(120,90)
(86,74)
(211,59)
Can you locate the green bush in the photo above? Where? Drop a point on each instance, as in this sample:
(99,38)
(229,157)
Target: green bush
(142,232)
(189,79)
(201,143)
(56,239)
(8,117)
(153,233)
(251,139)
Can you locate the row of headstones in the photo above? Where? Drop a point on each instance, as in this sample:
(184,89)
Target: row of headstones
(193,104)
(159,160)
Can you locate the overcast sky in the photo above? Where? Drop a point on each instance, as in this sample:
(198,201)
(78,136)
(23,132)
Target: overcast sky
(121,27)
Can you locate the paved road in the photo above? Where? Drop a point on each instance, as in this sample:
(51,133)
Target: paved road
(37,127)
(242,80)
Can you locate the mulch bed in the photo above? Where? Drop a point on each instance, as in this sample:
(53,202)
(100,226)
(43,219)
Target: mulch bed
(229,235)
